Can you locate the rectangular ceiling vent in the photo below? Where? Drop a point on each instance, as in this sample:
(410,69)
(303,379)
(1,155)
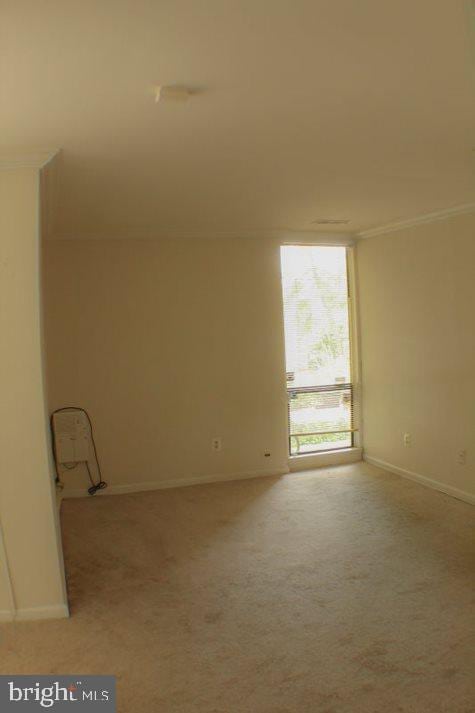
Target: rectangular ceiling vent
(330,221)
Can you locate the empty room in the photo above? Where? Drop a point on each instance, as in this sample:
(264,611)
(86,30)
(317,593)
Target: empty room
(237,356)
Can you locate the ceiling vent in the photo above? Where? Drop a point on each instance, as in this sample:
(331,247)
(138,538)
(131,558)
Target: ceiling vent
(172,92)
(330,221)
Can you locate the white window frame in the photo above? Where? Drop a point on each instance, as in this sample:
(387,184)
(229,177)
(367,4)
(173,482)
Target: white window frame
(353,454)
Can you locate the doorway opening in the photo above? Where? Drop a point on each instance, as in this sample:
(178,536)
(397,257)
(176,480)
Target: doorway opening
(320,390)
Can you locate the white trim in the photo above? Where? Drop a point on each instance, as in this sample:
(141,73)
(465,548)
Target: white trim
(30,159)
(312,237)
(6,615)
(58,611)
(422,479)
(321,460)
(121,489)
(355,345)
(417,220)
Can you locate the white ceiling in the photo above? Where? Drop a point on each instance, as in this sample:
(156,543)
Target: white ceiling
(307,109)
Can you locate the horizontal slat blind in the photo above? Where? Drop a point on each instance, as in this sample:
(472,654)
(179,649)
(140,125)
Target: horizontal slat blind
(317,343)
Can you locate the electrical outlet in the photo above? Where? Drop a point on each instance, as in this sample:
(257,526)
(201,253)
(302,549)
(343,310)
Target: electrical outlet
(462,456)
(407,440)
(216,443)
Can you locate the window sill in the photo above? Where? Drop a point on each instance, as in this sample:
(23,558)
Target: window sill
(326,458)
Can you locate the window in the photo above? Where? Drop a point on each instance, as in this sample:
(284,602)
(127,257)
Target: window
(317,347)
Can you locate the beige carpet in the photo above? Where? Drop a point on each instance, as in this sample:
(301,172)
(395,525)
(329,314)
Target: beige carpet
(340,590)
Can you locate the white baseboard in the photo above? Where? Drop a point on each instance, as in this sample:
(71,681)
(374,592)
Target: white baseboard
(340,456)
(175,483)
(58,611)
(422,479)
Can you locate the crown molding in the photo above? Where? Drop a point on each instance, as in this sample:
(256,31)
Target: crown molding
(26,159)
(418,220)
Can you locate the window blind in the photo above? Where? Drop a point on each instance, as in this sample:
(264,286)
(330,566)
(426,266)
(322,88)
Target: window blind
(317,348)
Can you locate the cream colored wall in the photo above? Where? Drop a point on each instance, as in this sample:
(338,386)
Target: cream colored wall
(27,505)
(168,344)
(417,304)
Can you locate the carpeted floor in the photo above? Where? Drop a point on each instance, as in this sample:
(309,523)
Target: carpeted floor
(345,590)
